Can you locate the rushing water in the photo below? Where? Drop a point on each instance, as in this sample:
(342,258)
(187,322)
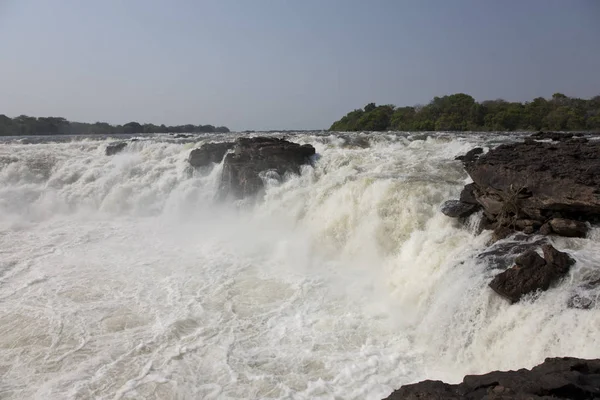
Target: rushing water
(121,278)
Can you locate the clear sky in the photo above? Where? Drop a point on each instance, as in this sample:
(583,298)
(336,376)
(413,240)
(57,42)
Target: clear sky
(285,64)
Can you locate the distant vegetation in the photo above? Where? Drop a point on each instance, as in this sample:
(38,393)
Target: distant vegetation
(24,125)
(460,112)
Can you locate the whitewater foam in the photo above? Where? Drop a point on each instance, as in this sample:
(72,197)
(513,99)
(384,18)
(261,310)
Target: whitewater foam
(122,278)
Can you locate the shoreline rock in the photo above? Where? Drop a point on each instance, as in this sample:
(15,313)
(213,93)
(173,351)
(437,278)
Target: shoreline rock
(535,187)
(555,378)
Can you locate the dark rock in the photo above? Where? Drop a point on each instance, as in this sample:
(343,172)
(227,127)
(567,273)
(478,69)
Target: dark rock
(539,181)
(556,136)
(561,261)
(587,295)
(182,136)
(252,156)
(471,155)
(555,378)
(568,227)
(501,232)
(532,273)
(114,148)
(546,229)
(529,259)
(502,255)
(468,194)
(209,153)
(458,209)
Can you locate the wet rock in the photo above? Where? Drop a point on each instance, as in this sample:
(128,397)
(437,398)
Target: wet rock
(471,155)
(555,378)
(587,295)
(556,136)
(532,272)
(502,255)
(568,227)
(468,194)
(252,157)
(546,229)
(209,153)
(561,261)
(114,148)
(458,209)
(501,232)
(526,185)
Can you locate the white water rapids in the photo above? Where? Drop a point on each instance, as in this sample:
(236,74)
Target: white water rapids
(121,278)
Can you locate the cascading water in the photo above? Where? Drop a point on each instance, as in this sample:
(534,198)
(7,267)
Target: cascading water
(122,278)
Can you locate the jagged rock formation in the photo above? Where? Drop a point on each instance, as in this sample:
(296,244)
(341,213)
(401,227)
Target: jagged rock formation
(252,157)
(114,148)
(209,153)
(531,272)
(555,378)
(532,186)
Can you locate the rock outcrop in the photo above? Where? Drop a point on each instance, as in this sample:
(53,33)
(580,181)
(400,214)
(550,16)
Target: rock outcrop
(252,157)
(532,186)
(209,153)
(531,272)
(458,209)
(555,378)
(114,148)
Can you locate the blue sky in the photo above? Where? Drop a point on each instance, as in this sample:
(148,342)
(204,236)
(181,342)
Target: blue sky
(279,64)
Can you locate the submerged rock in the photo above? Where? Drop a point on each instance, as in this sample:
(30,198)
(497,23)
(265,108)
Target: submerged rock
(114,148)
(531,272)
(555,378)
(252,156)
(209,153)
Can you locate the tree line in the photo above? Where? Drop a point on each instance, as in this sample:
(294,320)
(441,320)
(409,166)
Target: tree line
(460,112)
(25,125)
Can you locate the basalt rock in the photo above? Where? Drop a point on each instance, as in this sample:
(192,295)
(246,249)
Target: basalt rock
(555,378)
(546,187)
(531,272)
(114,148)
(555,136)
(471,155)
(252,158)
(458,209)
(209,153)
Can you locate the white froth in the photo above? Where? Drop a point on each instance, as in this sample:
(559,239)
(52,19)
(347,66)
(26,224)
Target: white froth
(121,278)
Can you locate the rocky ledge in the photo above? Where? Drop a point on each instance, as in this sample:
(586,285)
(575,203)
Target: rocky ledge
(549,187)
(250,159)
(533,186)
(555,378)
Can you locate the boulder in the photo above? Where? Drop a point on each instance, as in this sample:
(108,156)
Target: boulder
(114,148)
(209,153)
(471,155)
(468,194)
(555,378)
(531,272)
(458,209)
(568,227)
(546,187)
(252,157)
